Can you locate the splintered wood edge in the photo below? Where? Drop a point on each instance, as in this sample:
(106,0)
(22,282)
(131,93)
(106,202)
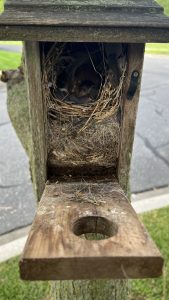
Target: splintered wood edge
(54,252)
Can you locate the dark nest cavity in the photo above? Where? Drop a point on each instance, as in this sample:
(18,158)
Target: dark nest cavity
(83,86)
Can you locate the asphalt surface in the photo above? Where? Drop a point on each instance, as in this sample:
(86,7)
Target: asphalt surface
(150,163)
(17,202)
(10,48)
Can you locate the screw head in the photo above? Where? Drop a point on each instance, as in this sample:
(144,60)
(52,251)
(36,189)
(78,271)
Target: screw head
(136,74)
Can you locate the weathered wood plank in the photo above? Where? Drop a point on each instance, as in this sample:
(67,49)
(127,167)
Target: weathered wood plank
(129,108)
(81,34)
(148,4)
(48,20)
(40,16)
(38,115)
(56,250)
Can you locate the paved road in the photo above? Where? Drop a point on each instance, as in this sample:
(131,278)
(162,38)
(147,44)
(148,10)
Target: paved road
(17,204)
(150,164)
(11,48)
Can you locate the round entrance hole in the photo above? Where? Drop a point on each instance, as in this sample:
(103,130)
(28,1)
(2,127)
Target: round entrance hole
(94,228)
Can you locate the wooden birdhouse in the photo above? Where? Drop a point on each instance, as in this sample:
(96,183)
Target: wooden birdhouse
(83,67)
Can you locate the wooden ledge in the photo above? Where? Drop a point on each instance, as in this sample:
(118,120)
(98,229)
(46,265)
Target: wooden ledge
(56,248)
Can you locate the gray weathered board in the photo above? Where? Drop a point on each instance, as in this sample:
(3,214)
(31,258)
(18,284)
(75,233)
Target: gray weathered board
(56,250)
(122,21)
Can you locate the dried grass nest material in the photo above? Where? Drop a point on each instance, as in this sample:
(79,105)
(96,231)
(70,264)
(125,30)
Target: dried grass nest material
(97,144)
(83,133)
(106,104)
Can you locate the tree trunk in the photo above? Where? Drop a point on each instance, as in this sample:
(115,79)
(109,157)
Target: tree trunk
(90,290)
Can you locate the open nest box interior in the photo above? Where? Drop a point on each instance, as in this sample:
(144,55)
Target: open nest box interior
(85,226)
(83,86)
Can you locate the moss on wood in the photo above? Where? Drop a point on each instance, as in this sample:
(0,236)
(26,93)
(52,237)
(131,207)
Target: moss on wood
(18,111)
(17,104)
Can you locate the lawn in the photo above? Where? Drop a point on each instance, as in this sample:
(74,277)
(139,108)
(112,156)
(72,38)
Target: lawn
(12,288)
(1,5)
(9,60)
(162,49)
(165,4)
(157,223)
(11,43)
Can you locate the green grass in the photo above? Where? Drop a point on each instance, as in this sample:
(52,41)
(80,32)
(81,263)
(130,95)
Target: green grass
(1,5)
(9,60)
(17,43)
(157,223)
(162,49)
(165,4)
(12,288)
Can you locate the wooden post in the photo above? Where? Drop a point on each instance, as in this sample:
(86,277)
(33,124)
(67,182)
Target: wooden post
(38,116)
(85,289)
(129,112)
(111,289)
(90,290)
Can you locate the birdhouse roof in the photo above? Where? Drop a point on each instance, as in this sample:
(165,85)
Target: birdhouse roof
(96,20)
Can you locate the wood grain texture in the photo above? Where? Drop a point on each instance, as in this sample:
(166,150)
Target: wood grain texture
(132,21)
(90,289)
(55,250)
(120,18)
(38,115)
(145,4)
(81,34)
(129,108)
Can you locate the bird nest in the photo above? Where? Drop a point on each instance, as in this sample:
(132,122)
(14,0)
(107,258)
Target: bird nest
(82,87)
